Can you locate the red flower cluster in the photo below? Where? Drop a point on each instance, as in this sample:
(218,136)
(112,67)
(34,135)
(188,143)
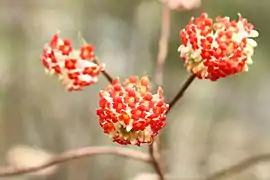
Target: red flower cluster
(74,68)
(216,49)
(129,113)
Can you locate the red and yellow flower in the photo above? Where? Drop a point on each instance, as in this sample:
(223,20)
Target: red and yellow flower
(213,49)
(74,67)
(130,113)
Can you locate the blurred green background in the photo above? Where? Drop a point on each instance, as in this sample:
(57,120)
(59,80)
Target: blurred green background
(215,125)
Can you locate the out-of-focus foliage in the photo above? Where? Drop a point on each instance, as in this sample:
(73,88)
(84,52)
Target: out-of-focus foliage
(215,125)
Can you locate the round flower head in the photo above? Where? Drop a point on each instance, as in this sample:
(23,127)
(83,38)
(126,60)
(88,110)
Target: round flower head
(74,67)
(130,113)
(213,49)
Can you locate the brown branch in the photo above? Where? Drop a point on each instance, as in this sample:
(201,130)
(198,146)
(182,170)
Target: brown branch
(104,72)
(163,43)
(239,167)
(181,92)
(107,76)
(153,151)
(161,57)
(76,154)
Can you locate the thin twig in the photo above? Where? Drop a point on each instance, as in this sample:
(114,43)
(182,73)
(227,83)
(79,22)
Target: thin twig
(76,154)
(104,72)
(156,160)
(181,92)
(161,57)
(107,76)
(239,167)
(163,43)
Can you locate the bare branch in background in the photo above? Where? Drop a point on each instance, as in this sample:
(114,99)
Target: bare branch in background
(161,57)
(76,154)
(239,167)
(154,154)
(184,5)
(25,156)
(163,43)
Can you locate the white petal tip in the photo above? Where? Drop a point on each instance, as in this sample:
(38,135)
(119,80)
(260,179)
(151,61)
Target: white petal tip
(128,128)
(249,61)
(254,33)
(252,42)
